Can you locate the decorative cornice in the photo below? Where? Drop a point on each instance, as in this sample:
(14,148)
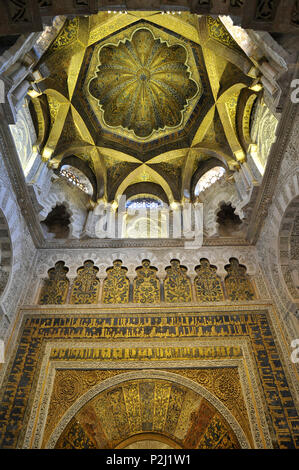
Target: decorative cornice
(267,188)
(135,243)
(18,182)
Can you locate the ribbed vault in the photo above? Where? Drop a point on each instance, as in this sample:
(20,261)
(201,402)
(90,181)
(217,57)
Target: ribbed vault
(143,97)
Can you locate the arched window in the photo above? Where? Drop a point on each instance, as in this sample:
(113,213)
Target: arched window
(77,178)
(144,217)
(144,202)
(209,178)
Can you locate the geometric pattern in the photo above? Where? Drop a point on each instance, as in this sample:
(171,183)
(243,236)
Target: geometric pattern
(146,285)
(21,375)
(148,406)
(142,84)
(71,384)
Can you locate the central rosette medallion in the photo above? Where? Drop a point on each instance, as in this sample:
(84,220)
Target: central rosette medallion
(143,74)
(143,84)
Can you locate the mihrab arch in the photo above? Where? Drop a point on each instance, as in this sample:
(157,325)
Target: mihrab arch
(144,407)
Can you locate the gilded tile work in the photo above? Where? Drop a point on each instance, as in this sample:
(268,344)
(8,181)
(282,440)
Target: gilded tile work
(208,285)
(55,289)
(85,289)
(149,405)
(237,283)
(67,36)
(116,286)
(139,354)
(177,285)
(218,32)
(146,286)
(77,438)
(22,372)
(217,436)
(139,104)
(225,384)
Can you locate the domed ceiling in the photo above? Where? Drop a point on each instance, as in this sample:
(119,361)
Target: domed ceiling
(143,85)
(143,97)
(142,89)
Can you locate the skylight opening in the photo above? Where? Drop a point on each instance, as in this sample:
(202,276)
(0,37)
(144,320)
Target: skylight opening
(144,202)
(209,178)
(144,217)
(76,178)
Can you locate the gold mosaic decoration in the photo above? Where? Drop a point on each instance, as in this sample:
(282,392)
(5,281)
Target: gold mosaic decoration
(208,285)
(55,289)
(177,285)
(143,84)
(255,327)
(86,286)
(67,36)
(53,108)
(139,354)
(138,85)
(237,283)
(146,286)
(116,286)
(148,405)
(218,32)
(225,384)
(69,385)
(231,107)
